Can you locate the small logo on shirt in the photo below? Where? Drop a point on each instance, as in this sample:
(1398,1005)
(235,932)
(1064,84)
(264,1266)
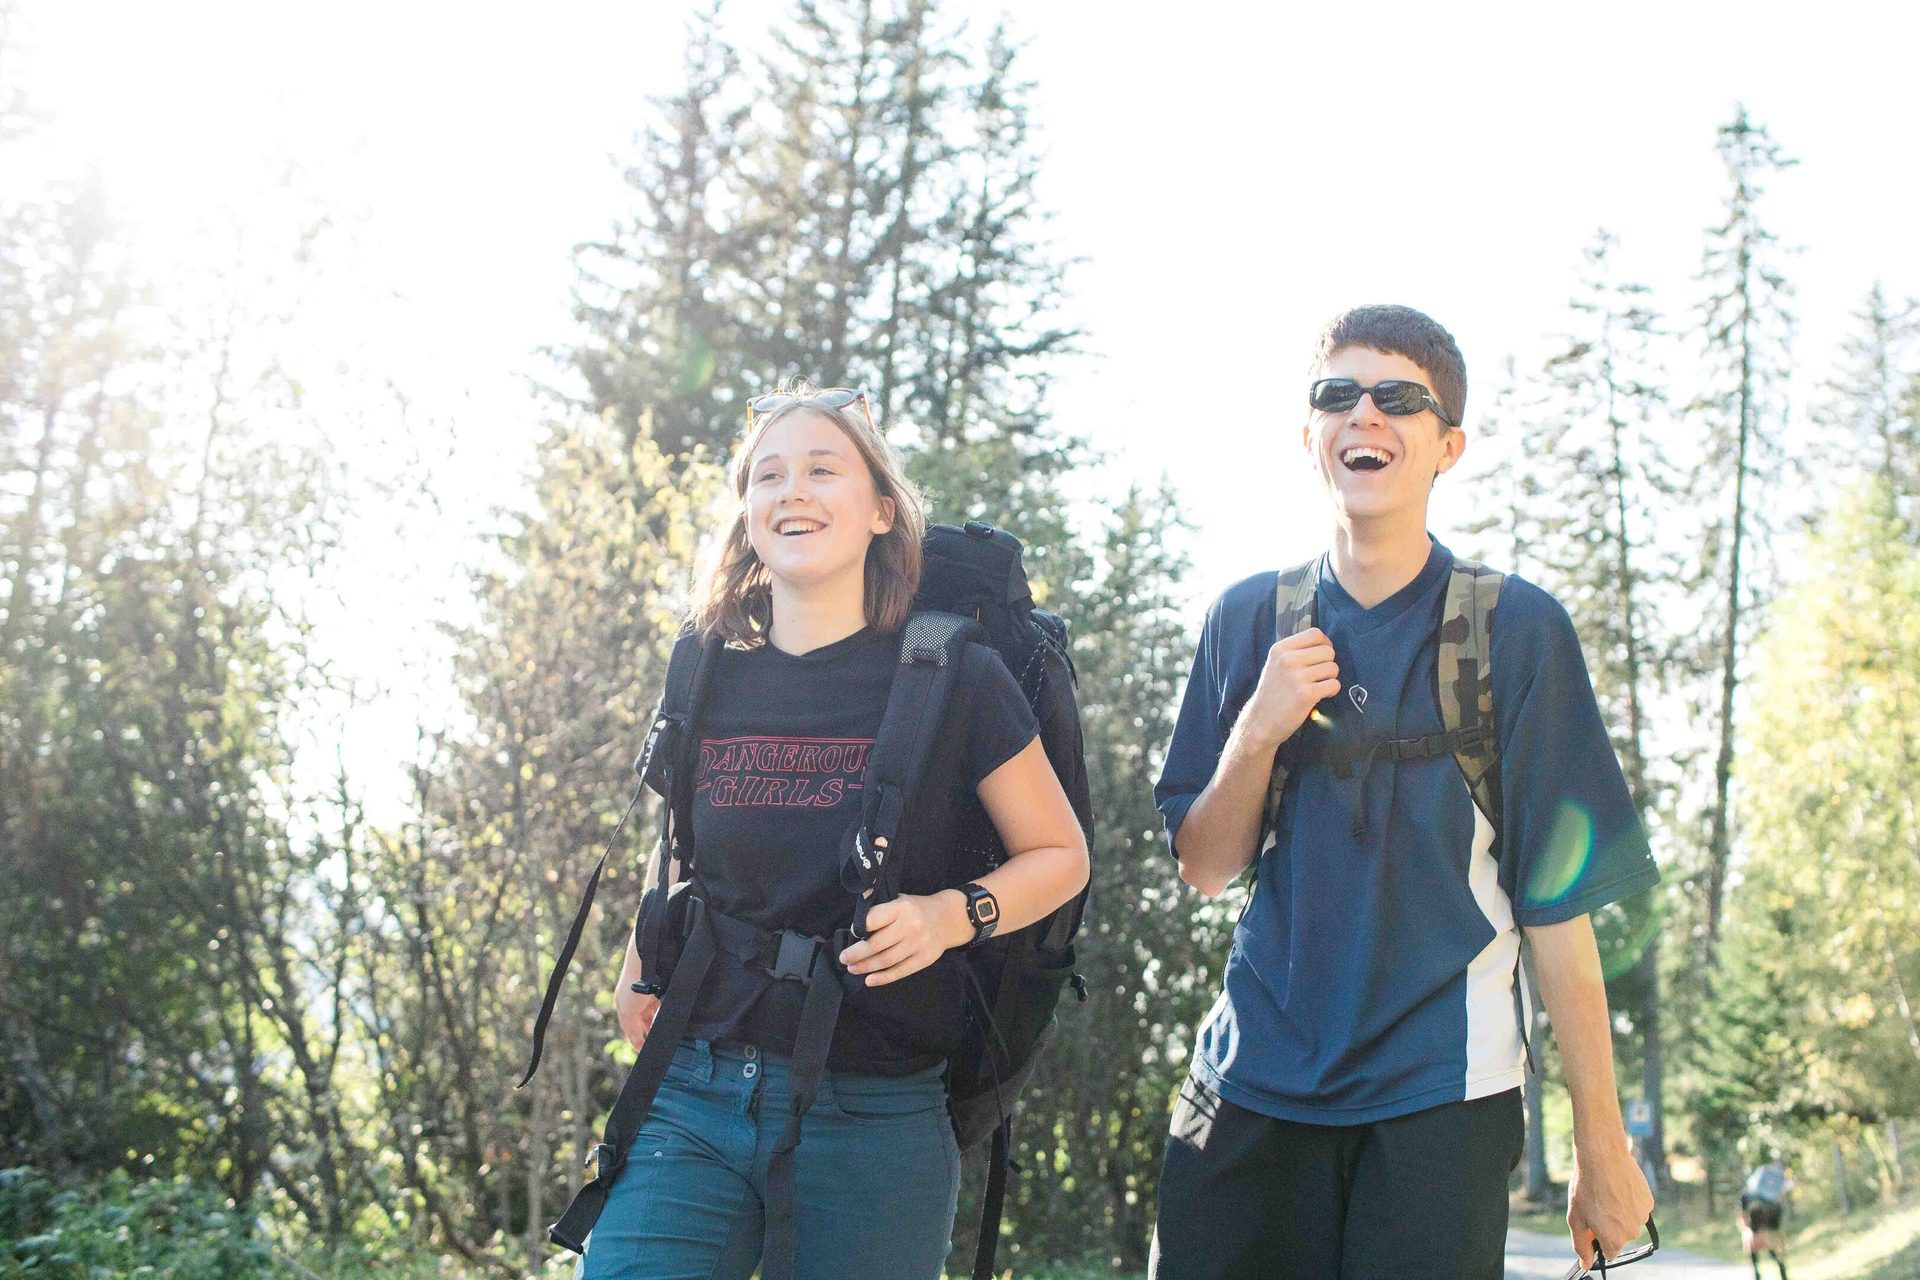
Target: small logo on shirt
(1358,696)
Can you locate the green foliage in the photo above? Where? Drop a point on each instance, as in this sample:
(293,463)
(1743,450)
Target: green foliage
(1092,1128)
(1831,899)
(576,622)
(159,1228)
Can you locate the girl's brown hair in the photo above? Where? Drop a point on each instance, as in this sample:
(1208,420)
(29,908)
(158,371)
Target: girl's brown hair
(738,598)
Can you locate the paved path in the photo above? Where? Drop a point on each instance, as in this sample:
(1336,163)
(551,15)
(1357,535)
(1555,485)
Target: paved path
(1532,1256)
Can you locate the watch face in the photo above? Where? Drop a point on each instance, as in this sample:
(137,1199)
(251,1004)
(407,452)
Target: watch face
(986,909)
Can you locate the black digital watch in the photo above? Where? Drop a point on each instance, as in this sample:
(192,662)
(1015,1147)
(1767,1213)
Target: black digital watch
(983,912)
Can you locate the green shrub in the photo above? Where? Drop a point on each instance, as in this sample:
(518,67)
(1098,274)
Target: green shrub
(150,1229)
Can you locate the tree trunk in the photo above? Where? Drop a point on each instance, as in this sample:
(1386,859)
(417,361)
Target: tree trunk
(1841,1195)
(1896,1155)
(1539,1190)
(1653,1063)
(40,1092)
(1719,839)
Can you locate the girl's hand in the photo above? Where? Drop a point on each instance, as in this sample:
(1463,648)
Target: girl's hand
(637,1013)
(907,934)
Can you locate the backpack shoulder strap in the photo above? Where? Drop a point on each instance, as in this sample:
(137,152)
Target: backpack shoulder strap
(1293,596)
(1466,682)
(669,750)
(689,672)
(932,645)
(687,668)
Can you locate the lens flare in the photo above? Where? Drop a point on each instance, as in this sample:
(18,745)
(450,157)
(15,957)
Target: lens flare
(1568,849)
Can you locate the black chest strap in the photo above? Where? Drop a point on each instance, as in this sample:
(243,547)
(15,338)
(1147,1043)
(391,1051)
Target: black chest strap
(1343,760)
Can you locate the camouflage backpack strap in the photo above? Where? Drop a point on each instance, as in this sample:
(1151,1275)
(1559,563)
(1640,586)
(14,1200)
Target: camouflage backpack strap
(1466,682)
(1293,595)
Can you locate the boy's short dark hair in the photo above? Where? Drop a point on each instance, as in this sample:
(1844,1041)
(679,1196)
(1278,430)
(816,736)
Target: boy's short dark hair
(1402,331)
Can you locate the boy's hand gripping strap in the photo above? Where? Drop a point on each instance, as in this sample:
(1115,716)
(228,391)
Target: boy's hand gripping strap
(1293,596)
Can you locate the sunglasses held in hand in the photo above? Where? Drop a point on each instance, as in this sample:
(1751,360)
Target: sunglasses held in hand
(1394,396)
(1600,1266)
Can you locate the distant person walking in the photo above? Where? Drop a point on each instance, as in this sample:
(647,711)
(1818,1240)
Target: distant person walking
(1762,1202)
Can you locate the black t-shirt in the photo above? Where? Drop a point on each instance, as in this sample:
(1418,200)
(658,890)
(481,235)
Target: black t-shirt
(782,751)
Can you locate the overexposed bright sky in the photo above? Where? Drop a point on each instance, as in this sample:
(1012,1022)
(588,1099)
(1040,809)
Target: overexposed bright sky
(1231,174)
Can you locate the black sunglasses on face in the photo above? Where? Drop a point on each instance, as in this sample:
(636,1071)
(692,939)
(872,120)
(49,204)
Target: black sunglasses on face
(1394,396)
(831,398)
(1601,1266)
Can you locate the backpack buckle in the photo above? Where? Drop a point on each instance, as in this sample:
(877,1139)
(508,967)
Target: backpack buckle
(793,960)
(663,723)
(606,1161)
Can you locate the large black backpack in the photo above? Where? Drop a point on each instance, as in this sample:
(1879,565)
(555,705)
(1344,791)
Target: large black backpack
(973,591)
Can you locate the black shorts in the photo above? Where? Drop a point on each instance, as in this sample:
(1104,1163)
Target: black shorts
(1762,1215)
(1243,1195)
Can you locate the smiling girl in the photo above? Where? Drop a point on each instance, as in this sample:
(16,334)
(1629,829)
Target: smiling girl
(814,579)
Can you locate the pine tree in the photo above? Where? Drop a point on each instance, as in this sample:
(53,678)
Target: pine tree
(1747,328)
(1597,485)
(1874,399)
(1092,1127)
(662,337)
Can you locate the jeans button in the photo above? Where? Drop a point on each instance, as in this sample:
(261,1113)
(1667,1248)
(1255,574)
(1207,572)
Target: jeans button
(750,1070)
(752,1052)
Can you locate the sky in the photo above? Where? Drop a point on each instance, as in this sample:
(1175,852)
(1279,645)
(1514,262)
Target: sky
(1226,175)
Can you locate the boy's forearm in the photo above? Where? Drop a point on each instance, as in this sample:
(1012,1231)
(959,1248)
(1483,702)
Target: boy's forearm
(1567,964)
(1217,840)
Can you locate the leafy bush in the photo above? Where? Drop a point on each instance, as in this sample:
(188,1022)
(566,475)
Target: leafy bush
(122,1227)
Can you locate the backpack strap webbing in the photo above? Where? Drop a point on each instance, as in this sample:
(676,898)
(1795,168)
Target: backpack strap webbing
(932,645)
(1465,673)
(1293,596)
(687,667)
(631,1108)
(674,743)
(1466,682)
(993,1200)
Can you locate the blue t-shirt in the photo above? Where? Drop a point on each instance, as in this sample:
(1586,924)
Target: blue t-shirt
(1373,973)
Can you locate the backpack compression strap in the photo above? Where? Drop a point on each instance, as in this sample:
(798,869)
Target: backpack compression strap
(1293,613)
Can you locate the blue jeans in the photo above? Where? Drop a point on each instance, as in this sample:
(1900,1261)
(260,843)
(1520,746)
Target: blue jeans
(876,1175)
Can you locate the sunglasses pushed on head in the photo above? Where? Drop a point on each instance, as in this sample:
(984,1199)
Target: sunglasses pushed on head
(828,398)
